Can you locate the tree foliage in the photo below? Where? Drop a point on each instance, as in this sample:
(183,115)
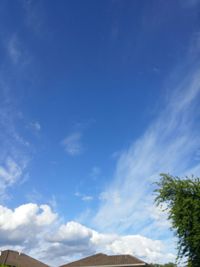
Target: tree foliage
(182,197)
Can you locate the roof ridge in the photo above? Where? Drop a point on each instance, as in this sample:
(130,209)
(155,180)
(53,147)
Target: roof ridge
(101,259)
(100,253)
(7,256)
(90,256)
(124,255)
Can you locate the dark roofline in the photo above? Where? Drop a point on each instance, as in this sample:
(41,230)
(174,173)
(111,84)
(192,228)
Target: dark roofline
(77,263)
(6,253)
(95,260)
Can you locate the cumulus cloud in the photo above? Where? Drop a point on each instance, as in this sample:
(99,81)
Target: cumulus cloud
(24,223)
(37,230)
(72,144)
(145,248)
(72,233)
(77,238)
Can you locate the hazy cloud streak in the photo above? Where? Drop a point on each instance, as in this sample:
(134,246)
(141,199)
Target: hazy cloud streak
(72,144)
(168,145)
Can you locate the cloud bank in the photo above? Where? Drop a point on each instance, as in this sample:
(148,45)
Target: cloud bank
(37,230)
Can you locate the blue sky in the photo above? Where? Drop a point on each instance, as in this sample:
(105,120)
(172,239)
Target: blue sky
(96,99)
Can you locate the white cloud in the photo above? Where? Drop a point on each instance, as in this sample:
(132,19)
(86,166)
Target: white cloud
(189,3)
(95,172)
(34,16)
(144,248)
(14,156)
(35,126)
(37,230)
(27,214)
(46,216)
(10,172)
(76,236)
(87,198)
(72,144)
(72,232)
(22,225)
(168,145)
(84,197)
(13,49)
(17,52)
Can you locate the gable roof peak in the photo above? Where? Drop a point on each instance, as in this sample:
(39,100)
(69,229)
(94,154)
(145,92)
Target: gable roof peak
(104,260)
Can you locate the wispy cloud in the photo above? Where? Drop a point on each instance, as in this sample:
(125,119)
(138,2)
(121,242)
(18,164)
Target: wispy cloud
(34,16)
(95,172)
(14,147)
(72,144)
(83,196)
(189,3)
(13,49)
(16,51)
(35,126)
(10,173)
(168,145)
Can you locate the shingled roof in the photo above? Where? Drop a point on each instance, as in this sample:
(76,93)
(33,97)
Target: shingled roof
(106,260)
(14,258)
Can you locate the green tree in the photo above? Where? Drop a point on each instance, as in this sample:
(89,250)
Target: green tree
(182,197)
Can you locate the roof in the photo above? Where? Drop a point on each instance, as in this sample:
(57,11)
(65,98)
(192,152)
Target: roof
(14,258)
(106,260)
